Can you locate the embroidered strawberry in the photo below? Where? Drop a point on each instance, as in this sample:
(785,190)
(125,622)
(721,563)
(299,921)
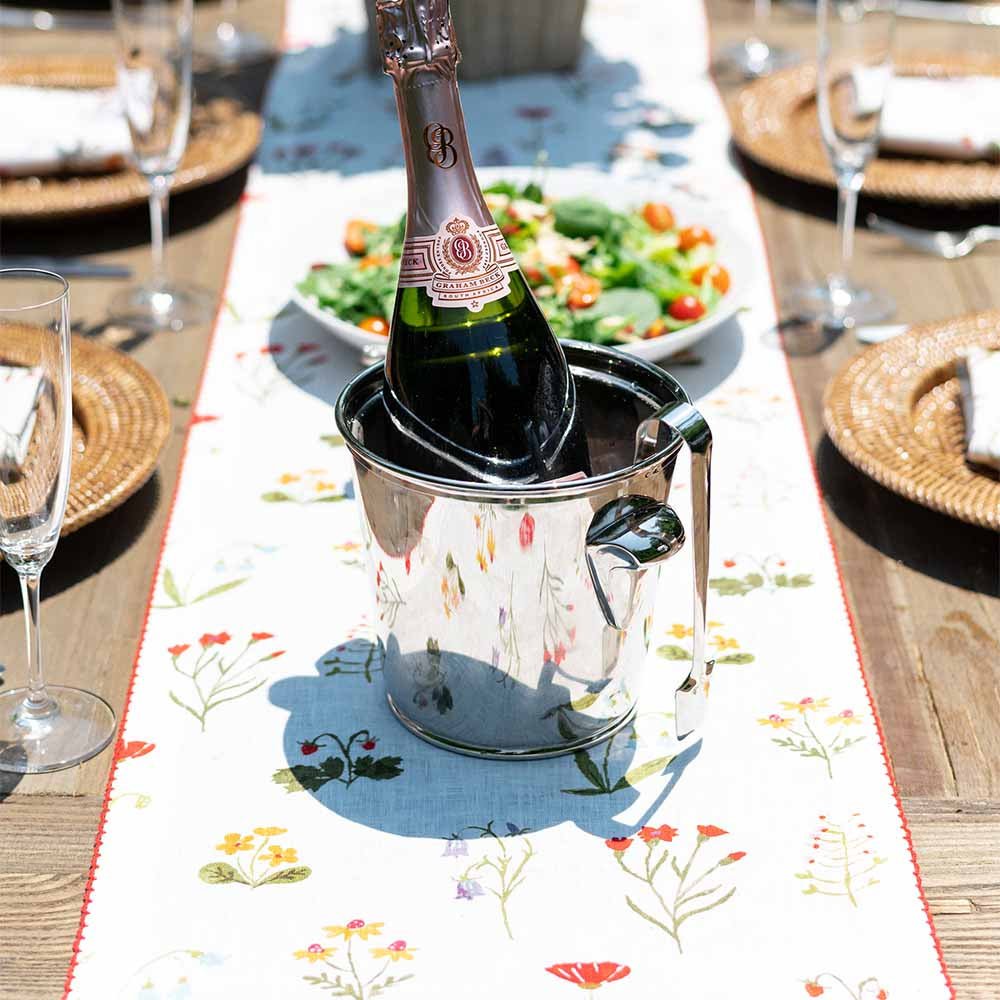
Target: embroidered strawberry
(814,989)
(308,747)
(368,745)
(729,563)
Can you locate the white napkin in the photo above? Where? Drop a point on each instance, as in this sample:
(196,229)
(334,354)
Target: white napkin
(979,378)
(19,391)
(44,130)
(954,118)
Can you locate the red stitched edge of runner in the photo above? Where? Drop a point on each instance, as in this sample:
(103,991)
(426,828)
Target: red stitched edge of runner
(192,423)
(836,563)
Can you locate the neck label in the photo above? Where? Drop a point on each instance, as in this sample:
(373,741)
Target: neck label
(463,266)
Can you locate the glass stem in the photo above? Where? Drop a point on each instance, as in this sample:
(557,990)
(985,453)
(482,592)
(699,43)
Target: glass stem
(38,704)
(159,214)
(847,209)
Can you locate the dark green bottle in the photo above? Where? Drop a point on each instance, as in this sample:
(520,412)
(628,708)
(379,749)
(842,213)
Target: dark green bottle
(475,378)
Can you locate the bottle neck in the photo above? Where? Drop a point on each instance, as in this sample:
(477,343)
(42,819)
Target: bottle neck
(440,176)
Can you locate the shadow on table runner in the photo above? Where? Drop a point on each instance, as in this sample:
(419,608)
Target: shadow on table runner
(328,113)
(354,757)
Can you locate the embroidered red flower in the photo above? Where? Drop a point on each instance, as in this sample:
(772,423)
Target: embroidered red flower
(559,654)
(526,533)
(272,349)
(814,989)
(177,650)
(260,636)
(589,975)
(274,656)
(711,831)
(730,859)
(729,563)
(882,995)
(203,418)
(214,639)
(618,844)
(135,748)
(664,833)
(406,562)
(308,747)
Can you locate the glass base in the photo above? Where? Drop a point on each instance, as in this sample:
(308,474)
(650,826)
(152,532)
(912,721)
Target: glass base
(149,308)
(75,728)
(838,305)
(753,57)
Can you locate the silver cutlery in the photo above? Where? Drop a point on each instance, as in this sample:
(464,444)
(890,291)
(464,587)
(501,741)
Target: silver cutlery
(46,20)
(68,267)
(950,245)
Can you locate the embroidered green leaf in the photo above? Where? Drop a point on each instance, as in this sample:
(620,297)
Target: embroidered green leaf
(378,770)
(753,580)
(285,776)
(332,498)
(332,768)
(286,876)
(647,770)
(584,701)
(801,580)
(585,791)
(312,778)
(142,801)
(219,873)
(589,770)
(170,588)
(736,658)
(276,496)
(670,652)
(729,586)
(221,589)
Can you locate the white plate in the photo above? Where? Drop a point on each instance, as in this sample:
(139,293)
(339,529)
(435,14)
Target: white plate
(375,197)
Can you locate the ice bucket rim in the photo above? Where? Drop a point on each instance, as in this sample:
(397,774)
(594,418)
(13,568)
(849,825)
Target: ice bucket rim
(591,357)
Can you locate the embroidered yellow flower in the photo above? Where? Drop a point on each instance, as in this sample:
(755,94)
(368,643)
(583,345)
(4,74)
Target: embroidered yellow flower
(278,855)
(845,718)
(233,842)
(288,477)
(395,951)
(491,544)
(322,486)
(721,642)
(269,831)
(714,624)
(775,721)
(805,705)
(314,953)
(680,631)
(354,927)
(481,559)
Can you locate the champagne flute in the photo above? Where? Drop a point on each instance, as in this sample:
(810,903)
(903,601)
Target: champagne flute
(853,76)
(42,728)
(232,43)
(154,80)
(753,56)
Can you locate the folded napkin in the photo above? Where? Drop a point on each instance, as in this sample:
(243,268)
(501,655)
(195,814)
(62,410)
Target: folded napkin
(954,118)
(979,378)
(19,391)
(45,130)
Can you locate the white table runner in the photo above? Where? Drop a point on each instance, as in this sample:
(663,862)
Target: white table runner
(271,831)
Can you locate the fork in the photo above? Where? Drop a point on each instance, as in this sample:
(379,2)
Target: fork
(950,245)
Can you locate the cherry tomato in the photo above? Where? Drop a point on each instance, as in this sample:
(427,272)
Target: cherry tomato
(376,325)
(584,290)
(656,329)
(534,276)
(718,274)
(355,239)
(693,235)
(375,260)
(557,271)
(658,216)
(687,307)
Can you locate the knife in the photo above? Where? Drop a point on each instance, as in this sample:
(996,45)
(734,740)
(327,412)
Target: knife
(68,267)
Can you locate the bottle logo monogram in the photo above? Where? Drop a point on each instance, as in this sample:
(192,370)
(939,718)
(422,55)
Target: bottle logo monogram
(439,141)
(462,265)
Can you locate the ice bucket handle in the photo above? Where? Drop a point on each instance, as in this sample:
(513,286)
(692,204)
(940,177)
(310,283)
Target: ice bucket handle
(690,700)
(629,533)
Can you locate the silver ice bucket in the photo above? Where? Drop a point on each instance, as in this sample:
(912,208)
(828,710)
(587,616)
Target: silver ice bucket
(515,620)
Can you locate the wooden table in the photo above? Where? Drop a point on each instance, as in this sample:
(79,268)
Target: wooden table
(923,589)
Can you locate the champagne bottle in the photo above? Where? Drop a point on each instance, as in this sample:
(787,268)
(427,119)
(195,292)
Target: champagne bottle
(475,378)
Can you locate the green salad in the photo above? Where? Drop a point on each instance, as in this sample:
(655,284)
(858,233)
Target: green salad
(599,275)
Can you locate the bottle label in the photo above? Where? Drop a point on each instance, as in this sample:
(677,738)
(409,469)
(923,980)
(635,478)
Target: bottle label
(463,266)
